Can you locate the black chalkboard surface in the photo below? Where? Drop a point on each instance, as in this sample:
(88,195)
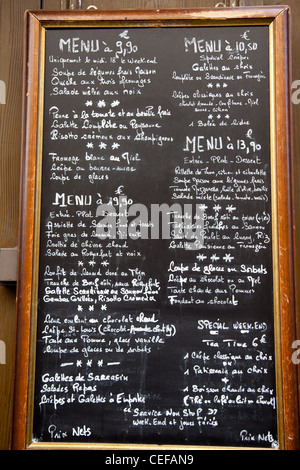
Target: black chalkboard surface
(155,313)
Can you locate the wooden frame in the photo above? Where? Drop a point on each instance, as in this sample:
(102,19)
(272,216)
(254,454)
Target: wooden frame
(277,18)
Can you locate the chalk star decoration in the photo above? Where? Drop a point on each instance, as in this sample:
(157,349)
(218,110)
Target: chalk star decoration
(115,103)
(228,258)
(230,208)
(201,257)
(101,104)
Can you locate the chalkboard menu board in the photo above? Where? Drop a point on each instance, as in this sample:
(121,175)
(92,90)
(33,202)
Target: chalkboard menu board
(155,309)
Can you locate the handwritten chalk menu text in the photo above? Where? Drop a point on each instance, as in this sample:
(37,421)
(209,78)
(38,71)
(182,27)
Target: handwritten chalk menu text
(155,294)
